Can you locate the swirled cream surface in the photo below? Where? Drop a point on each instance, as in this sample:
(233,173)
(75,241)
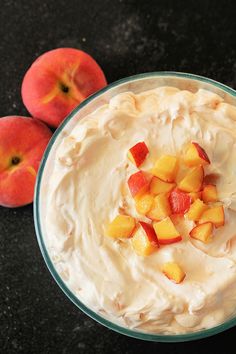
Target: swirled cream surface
(87,188)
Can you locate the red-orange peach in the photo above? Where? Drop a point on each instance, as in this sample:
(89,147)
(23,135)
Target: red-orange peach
(22,143)
(58,81)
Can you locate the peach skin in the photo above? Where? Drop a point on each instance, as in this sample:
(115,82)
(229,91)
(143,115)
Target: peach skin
(179,201)
(138,184)
(137,154)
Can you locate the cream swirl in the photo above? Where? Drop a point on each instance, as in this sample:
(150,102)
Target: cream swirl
(87,188)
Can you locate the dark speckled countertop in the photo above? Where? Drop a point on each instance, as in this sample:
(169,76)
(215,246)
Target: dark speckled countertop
(126,37)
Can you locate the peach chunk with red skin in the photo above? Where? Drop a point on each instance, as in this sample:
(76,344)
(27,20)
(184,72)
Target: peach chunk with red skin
(195,155)
(179,201)
(202,232)
(166,232)
(121,227)
(58,81)
(22,144)
(174,272)
(192,182)
(137,154)
(166,168)
(138,184)
(144,240)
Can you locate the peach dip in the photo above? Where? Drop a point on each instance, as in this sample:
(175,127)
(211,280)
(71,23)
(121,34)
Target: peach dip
(140,212)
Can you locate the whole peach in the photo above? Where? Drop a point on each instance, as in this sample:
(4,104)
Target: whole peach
(22,144)
(58,81)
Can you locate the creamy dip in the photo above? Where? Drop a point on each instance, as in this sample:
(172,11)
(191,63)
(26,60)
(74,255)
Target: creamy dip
(88,188)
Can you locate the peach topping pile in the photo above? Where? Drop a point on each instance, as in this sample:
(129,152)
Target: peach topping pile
(160,198)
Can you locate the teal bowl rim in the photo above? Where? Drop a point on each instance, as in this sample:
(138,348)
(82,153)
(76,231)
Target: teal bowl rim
(123,330)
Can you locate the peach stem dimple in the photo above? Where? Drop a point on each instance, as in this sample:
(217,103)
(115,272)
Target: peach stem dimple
(64,87)
(15,160)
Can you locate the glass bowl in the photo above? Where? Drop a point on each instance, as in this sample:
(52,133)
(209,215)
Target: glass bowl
(135,84)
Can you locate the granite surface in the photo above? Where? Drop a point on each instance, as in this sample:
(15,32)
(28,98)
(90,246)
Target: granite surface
(125,37)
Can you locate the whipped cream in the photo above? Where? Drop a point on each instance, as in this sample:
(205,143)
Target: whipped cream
(87,188)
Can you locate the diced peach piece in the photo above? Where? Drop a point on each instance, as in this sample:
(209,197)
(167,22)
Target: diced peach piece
(166,232)
(196,210)
(138,183)
(144,203)
(195,195)
(195,155)
(209,194)
(144,240)
(166,168)
(160,207)
(138,153)
(158,186)
(215,215)
(174,272)
(192,182)
(121,227)
(202,232)
(179,202)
